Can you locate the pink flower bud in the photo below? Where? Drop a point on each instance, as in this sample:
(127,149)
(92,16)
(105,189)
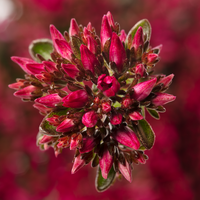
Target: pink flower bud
(116,119)
(50,66)
(49,100)
(92,44)
(89,26)
(70,69)
(28,92)
(66,126)
(139,70)
(35,68)
(73,29)
(16,86)
(46,139)
(105,163)
(89,119)
(163,98)
(138,39)
(76,99)
(55,34)
(151,58)
(126,102)
(64,49)
(166,80)
(44,77)
(127,137)
(117,52)
(88,144)
(143,89)
(108,84)
(86,32)
(126,171)
(88,58)
(78,163)
(22,62)
(135,115)
(106,107)
(53,120)
(106,31)
(122,36)
(64,142)
(75,140)
(43,109)
(110,19)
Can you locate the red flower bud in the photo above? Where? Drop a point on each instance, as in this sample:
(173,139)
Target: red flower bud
(70,69)
(166,80)
(78,163)
(117,52)
(143,89)
(110,19)
(49,100)
(73,29)
(92,44)
(139,70)
(53,120)
(76,99)
(105,163)
(88,58)
(108,84)
(106,107)
(135,115)
(106,31)
(46,139)
(122,36)
(66,126)
(126,102)
(35,68)
(152,58)
(88,144)
(50,66)
(116,119)
(125,170)
(89,119)
(43,109)
(127,137)
(163,98)
(138,39)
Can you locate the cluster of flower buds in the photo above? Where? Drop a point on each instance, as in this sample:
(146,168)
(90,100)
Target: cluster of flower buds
(94,92)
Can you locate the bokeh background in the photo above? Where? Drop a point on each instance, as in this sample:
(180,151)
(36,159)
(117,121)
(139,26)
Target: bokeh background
(173,169)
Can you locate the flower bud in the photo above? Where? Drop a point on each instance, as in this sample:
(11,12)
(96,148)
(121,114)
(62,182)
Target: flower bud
(135,116)
(75,141)
(88,144)
(50,66)
(143,89)
(28,92)
(22,62)
(139,70)
(126,137)
(92,44)
(76,99)
(43,109)
(49,100)
(106,107)
(166,80)
(53,120)
(152,58)
(78,163)
(18,85)
(117,52)
(64,142)
(126,102)
(110,19)
(122,36)
(125,170)
(162,98)
(106,31)
(108,84)
(70,69)
(89,119)
(88,58)
(105,163)
(46,139)
(73,29)
(138,39)
(116,119)
(66,126)
(35,68)
(64,49)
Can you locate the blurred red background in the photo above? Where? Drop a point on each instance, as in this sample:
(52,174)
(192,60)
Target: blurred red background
(172,171)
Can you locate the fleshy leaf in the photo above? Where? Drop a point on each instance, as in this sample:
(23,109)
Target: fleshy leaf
(48,129)
(145,134)
(103,184)
(44,47)
(146,26)
(154,113)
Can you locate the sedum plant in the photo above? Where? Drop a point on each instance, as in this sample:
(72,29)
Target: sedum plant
(93,92)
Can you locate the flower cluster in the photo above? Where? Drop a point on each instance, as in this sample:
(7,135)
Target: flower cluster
(94,92)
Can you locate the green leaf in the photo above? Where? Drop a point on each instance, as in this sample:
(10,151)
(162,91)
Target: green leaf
(103,184)
(144,23)
(145,134)
(153,113)
(43,47)
(48,129)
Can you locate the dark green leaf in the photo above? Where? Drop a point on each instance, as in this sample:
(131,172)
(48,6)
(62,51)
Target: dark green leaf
(43,47)
(144,23)
(103,184)
(48,129)
(154,113)
(145,134)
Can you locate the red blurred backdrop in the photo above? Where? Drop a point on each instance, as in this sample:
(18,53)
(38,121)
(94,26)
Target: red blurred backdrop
(172,171)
